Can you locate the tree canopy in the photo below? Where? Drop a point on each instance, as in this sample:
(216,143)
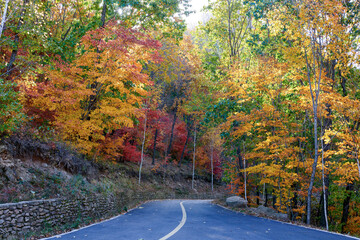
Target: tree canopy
(264,96)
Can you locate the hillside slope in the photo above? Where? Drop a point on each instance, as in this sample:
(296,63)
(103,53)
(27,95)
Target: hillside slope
(31,170)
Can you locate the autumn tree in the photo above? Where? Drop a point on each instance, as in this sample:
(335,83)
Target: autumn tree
(99,92)
(318,39)
(174,76)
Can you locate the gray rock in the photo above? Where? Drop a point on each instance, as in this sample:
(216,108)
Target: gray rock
(24,174)
(282,216)
(3,149)
(236,201)
(266,210)
(10,175)
(270,212)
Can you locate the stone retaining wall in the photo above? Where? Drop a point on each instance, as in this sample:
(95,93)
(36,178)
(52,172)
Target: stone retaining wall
(18,219)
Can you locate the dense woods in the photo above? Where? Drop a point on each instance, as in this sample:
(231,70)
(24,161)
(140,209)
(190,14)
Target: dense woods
(264,96)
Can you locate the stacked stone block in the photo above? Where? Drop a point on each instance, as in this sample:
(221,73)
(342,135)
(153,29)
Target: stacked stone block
(17,219)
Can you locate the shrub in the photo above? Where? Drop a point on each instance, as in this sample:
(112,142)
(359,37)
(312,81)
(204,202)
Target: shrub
(10,108)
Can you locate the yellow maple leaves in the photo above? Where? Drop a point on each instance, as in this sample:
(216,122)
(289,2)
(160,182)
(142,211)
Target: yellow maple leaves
(101,89)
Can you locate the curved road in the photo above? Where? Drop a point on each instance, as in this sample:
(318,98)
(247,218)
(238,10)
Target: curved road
(193,220)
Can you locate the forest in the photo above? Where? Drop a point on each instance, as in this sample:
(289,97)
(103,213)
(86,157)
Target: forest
(262,96)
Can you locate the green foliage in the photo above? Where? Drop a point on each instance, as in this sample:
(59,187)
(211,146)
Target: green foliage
(221,111)
(10,108)
(163,16)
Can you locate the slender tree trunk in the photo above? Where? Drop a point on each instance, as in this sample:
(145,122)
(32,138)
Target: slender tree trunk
(142,148)
(155,137)
(229,2)
(264,191)
(240,158)
(103,14)
(273,200)
(343,84)
(315,101)
(245,183)
(346,205)
(323,182)
(14,52)
(172,133)
(212,163)
(4,17)
(326,124)
(193,170)
(280,193)
(312,178)
(266,198)
(93,99)
(294,205)
(184,148)
(357,161)
(240,163)
(319,210)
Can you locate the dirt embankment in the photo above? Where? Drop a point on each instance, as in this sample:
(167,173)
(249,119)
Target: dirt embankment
(34,170)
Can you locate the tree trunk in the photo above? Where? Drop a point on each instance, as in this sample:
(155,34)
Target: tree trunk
(184,148)
(172,133)
(266,198)
(315,101)
(240,159)
(103,14)
(93,99)
(193,170)
(142,148)
(294,205)
(156,134)
(324,209)
(14,52)
(320,208)
(212,163)
(312,178)
(4,17)
(244,172)
(357,161)
(240,162)
(229,30)
(264,186)
(346,204)
(189,129)
(273,200)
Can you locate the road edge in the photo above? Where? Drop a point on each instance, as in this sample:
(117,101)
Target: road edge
(293,224)
(96,223)
(121,214)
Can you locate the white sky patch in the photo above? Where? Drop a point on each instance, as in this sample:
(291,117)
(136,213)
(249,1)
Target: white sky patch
(194,18)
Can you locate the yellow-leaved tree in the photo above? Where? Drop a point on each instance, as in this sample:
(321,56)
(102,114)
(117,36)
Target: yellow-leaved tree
(100,91)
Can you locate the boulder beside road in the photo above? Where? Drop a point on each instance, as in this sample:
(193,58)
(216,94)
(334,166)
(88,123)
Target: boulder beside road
(269,212)
(236,201)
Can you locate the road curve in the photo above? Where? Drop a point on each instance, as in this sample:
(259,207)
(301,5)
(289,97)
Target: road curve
(193,220)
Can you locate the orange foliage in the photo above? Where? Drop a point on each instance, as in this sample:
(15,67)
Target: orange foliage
(99,92)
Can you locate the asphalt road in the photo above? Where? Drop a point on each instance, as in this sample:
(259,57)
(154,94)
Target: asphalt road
(193,219)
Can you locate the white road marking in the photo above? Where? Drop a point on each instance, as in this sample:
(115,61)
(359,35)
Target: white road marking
(181,224)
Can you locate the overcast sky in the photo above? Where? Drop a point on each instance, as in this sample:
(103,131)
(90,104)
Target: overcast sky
(194,18)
